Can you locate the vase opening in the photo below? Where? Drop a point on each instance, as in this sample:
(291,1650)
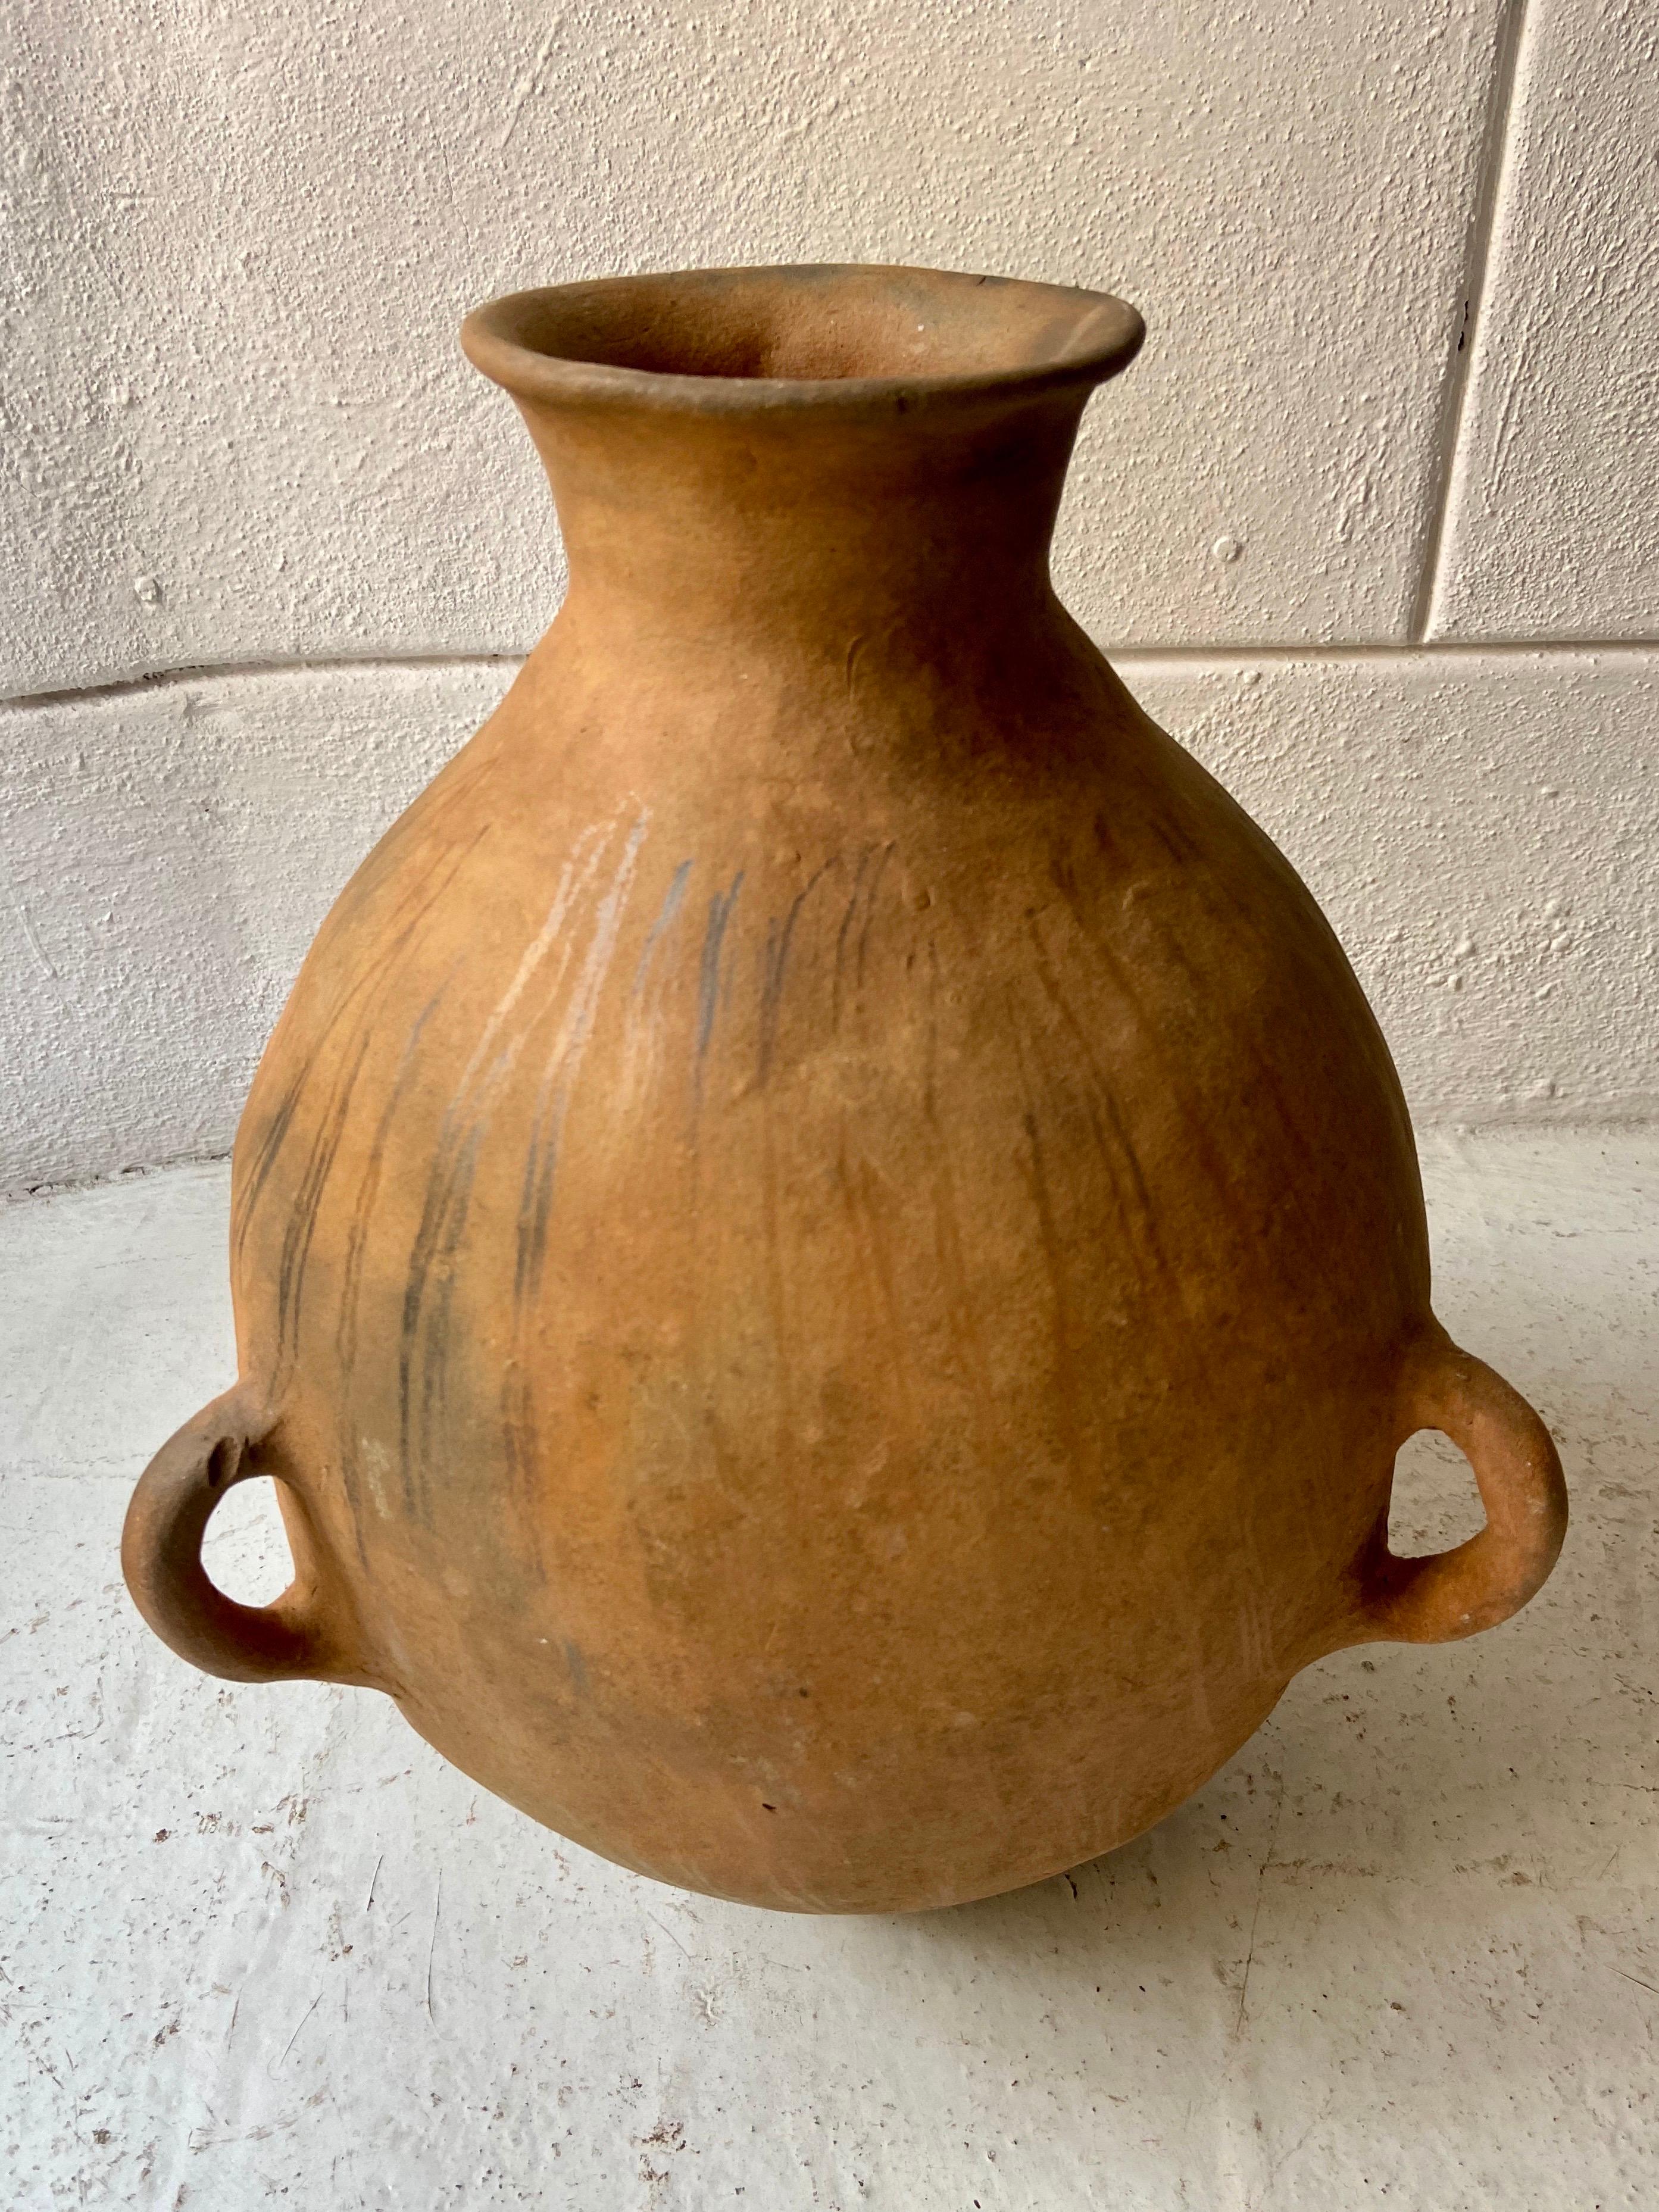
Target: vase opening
(714,339)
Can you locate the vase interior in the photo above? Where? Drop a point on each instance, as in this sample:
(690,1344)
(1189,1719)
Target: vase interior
(819,325)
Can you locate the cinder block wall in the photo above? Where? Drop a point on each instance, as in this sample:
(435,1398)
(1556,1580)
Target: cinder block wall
(271,550)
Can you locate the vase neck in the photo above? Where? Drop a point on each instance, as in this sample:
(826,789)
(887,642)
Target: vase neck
(802,533)
(790,460)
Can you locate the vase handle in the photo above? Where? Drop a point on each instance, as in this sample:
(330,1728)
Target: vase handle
(299,1634)
(1476,1584)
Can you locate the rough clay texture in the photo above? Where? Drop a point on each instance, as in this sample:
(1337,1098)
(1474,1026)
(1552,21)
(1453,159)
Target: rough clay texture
(260,1946)
(1482,830)
(1553,521)
(237,426)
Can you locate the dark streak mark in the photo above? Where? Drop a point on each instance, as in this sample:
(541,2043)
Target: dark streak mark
(1175,843)
(708,987)
(777,954)
(519,1427)
(442,1226)
(443,1220)
(346,1339)
(434,1378)
(536,1198)
(302,1217)
(842,933)
(272,1139)
(370,979)
(536,1181)
(887,853)
(518,1432)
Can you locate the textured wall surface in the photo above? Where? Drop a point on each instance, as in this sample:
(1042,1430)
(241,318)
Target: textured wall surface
(1399,267)
(1553,521)
(247,244)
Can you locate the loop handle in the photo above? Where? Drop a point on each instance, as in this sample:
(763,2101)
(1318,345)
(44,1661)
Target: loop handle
(1477,1583)
(299,1634)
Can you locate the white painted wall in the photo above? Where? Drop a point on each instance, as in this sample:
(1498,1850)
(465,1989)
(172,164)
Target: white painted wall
(1397,263)
(1552,524)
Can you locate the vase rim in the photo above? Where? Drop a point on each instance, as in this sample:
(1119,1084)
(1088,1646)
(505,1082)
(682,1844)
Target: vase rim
(836,336)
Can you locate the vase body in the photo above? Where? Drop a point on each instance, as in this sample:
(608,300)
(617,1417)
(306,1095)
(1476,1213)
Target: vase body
(827,1252)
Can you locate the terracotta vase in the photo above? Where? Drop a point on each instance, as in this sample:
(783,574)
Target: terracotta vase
(829,1259)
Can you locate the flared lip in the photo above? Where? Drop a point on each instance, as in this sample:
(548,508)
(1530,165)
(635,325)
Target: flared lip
(549,344)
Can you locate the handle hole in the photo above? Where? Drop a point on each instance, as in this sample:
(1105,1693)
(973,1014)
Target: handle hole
(1434,1505)
(244,1549)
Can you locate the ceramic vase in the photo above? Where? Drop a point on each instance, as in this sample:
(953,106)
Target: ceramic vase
(829,1259)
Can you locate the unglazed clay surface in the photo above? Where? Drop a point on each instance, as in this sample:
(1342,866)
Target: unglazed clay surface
(827,1251)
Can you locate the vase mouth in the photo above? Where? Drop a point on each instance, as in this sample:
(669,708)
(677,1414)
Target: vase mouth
(836,336)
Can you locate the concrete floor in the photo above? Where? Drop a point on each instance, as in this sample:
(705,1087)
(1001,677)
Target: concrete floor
(260,1945)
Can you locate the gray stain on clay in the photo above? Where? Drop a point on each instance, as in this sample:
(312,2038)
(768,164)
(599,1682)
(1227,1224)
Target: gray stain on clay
(709,990)
(409,911)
